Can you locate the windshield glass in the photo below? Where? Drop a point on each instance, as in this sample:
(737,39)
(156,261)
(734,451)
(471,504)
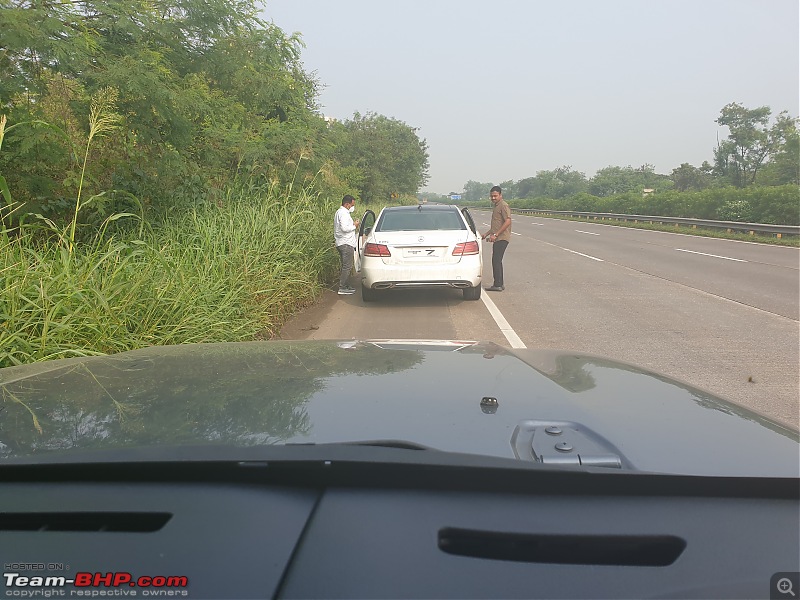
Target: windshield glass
(420,220)
(188,201)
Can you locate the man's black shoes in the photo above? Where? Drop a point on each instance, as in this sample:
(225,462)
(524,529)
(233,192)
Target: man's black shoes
(496,288)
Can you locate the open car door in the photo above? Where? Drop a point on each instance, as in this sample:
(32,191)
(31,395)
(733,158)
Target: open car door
(470,222)
(364,231)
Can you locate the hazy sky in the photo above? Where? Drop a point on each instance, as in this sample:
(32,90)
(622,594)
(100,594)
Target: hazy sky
(501,89)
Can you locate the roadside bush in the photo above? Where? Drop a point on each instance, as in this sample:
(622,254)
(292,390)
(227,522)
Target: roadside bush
(227,271)
(778,205)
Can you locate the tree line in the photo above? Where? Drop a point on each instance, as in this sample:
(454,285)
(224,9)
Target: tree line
(754,176)
(194,96)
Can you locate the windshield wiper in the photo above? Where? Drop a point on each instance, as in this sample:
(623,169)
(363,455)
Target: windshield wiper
(373,464)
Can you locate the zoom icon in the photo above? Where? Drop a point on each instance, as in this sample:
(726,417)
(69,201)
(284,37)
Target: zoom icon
(784,585)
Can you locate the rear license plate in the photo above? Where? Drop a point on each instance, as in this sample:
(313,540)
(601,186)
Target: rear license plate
(421,252)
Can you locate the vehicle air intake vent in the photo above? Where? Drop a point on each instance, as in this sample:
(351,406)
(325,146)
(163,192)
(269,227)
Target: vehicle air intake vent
(624,550)
(136,522)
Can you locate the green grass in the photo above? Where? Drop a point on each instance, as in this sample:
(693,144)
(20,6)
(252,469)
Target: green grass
(230,271)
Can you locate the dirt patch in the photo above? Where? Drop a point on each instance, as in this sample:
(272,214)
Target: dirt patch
(305,322)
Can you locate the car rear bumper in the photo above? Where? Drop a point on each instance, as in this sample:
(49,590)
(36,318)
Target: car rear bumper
(383,285)
(382,276)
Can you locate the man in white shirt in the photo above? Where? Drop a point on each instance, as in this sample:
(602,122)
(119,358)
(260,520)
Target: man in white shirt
(344,234)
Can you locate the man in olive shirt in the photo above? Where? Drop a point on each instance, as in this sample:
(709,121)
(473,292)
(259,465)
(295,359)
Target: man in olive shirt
(500,235)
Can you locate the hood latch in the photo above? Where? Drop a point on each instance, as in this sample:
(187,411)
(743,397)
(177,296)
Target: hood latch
(565,443)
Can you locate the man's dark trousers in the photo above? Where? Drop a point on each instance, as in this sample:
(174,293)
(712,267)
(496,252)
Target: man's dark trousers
(498,250)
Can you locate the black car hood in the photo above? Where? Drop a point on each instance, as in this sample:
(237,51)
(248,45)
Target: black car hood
(464,397)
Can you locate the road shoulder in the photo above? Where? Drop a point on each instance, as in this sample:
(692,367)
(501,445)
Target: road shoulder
(303,324)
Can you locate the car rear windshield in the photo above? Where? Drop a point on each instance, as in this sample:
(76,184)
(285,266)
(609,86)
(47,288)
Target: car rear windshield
(420,220)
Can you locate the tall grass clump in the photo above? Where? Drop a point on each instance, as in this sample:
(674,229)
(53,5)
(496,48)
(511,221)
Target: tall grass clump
(231,270)
(261,252)
(228,272)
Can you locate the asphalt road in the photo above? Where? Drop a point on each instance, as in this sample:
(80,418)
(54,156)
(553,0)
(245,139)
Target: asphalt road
(718,314)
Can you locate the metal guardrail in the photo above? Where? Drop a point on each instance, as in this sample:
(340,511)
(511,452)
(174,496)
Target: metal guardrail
(730,226)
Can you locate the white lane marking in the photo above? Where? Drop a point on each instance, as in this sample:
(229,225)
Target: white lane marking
(498,317)
(711,255)
(531,222)
(587,232)
(537,224)
(513,232)
(581,254)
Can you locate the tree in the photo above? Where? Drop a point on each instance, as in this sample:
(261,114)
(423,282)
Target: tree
(474,191)
(525,187)
(618,180)
(387,153)
(689,178)
(784,164)
(509,189)
(751,141)
(561,182)
(207,91)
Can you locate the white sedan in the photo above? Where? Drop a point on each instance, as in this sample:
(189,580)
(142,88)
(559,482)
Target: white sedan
(419,246)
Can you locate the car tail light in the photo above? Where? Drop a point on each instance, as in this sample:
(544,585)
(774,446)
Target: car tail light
(376,250)
(465,248)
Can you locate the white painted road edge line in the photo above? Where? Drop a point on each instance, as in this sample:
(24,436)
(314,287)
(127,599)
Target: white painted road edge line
(498,317)
(711,255)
